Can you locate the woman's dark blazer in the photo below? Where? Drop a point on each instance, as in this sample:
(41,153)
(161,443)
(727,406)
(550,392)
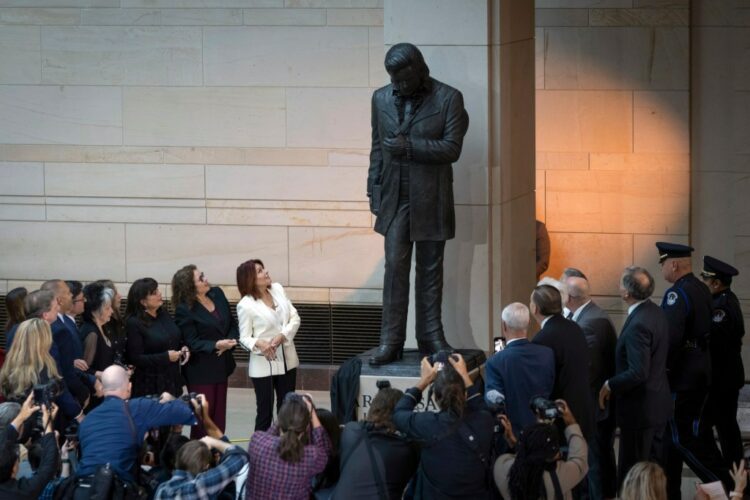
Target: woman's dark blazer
(200,331)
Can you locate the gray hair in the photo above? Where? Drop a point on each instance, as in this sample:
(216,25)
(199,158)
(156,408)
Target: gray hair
(516,316)
(638,282)
(38,302)
(8,413)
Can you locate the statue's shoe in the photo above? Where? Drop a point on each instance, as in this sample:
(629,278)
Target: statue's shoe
(387,353)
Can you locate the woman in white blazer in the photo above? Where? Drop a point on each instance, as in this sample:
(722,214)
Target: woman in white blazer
(268,322)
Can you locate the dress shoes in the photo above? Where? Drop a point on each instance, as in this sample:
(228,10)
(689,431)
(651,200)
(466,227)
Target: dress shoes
(387,353)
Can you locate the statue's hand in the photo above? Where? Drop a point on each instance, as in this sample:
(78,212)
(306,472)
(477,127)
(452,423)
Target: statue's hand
(396,145)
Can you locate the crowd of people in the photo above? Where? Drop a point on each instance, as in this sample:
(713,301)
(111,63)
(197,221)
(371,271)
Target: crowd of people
(99,406)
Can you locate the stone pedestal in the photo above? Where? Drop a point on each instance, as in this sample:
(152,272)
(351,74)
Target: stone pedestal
(404,374)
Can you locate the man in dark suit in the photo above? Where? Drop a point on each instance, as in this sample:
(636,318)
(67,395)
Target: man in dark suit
(688,307)
(567,341)
(522,370)
(418,126)
(65,337)
(642,400)
(728,373)
(601,339)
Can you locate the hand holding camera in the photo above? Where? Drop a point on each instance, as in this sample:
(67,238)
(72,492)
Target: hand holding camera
(428,372)
(565,413)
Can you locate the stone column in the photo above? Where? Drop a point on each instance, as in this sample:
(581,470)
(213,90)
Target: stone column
(720,103)
(485,48)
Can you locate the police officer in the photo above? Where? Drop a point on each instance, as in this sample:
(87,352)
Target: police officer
(687,305)
(728,374)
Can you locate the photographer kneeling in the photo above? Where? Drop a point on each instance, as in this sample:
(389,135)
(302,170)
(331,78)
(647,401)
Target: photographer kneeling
(456,441)
(113,432)
(537,469)
(31,487)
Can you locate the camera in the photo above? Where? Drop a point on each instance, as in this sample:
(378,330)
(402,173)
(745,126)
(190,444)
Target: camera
(45,393)
(190,396)
(441,357)
(495,402)
(383,384)
(71,431)
(545,409)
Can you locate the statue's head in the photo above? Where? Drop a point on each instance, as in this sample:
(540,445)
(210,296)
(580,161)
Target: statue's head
(406,66)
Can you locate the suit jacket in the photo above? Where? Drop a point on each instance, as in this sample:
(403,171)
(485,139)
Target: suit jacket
(258,321)
(200,331)
(641,381)
(436,136)
(601,339)
(521,371)
(567,341)
(67,348)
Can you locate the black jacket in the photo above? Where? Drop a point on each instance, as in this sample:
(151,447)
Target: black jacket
(345,390)
(687,305)
(148,343)
(568,342)
(449,467)
(30,487)
(727,330)
(396,460)
(436,136)
(640,385)
(200,331)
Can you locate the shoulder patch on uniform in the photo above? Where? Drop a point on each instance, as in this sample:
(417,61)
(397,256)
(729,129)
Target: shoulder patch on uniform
(672,298)
(719,316)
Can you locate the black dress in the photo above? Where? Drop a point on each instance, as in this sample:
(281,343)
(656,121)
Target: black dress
(103,348)
(148,343)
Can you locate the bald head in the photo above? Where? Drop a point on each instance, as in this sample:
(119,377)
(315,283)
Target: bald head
(116,382)
(636,284)
(579,292)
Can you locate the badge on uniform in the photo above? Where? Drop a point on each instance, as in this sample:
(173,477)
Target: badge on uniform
(671,298)
(719,316)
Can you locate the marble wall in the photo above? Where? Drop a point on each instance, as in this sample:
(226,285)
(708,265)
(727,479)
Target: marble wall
(642,127)
(140,135)
(612,134)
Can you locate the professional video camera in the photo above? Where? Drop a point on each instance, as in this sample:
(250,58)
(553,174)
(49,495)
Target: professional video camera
(545,409)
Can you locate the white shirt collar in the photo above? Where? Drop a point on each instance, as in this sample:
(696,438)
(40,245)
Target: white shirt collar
(508,342)
(578,311)
(633,307)
(544,321)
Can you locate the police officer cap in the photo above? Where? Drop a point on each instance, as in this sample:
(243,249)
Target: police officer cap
(672,250)
(714,268)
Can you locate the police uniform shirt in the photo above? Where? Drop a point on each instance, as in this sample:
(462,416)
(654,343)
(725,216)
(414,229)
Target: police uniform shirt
(727,330)
(687,305)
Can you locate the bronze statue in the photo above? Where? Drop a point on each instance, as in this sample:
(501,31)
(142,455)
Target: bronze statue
(418,126)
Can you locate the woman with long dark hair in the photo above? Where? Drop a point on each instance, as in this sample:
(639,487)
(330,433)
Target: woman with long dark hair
(209,330)
(377,460)
(537,470)
(154,342)
(284,459)
(457,440)
(268,323)
(16,314)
